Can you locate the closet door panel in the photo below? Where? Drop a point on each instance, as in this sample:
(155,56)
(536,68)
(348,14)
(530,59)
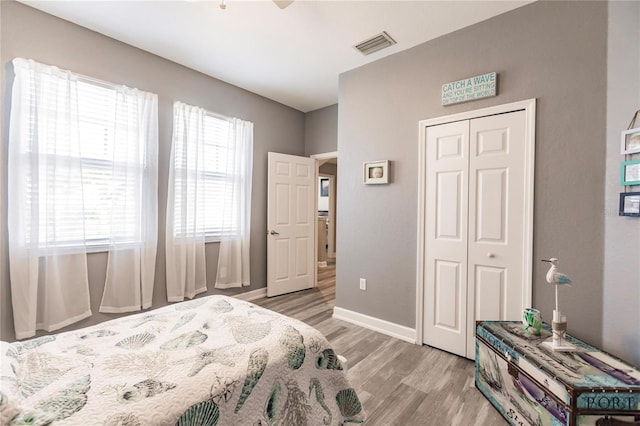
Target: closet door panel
(447,193)
(489,282)
(496,208)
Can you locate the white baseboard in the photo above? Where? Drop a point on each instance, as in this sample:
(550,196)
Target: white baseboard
(382,326)
(252,295)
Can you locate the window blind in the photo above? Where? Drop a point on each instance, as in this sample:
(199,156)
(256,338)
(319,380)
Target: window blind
(216,162)
(94,107)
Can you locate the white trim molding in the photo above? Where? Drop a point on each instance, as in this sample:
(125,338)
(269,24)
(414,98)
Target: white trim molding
(325,155)
(398,331)
(249,296)
(529,106)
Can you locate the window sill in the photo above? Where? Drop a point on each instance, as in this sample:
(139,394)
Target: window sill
(104,248)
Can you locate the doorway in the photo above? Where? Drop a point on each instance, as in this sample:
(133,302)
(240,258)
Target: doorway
(327,176)
(292,222)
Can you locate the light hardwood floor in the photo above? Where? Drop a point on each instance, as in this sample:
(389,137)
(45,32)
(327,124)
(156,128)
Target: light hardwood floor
(398,383)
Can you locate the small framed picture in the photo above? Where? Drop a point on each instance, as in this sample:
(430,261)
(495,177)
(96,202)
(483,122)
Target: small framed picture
(376,172)
(630,141)
(630,173)
(630,204)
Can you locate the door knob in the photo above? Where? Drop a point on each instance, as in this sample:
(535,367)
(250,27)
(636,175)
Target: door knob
(274,232)
(491,255)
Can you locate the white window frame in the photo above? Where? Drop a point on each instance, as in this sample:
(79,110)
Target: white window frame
(212,234)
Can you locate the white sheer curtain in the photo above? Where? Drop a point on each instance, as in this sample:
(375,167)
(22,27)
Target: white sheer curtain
(133,236)
(47,255)
(233,258)
(185,226)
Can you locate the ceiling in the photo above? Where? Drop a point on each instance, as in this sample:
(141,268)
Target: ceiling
(293,56)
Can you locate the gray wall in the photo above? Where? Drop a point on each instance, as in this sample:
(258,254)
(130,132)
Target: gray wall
(552,51)
(621,317)
(32,34)
(321,130)
(329,169)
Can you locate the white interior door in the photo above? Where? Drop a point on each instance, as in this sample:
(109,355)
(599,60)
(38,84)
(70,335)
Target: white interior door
(475,236)
(496,252)
(291,221)
(445,315)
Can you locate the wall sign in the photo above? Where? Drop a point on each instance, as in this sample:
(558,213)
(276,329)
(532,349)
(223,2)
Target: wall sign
(469,89)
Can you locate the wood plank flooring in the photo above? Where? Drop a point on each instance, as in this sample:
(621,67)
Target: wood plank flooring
(398,383)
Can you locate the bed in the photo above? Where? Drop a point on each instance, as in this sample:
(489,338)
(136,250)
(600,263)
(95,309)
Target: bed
(210,361)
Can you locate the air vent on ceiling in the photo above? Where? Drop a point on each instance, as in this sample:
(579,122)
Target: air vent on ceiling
(375,43)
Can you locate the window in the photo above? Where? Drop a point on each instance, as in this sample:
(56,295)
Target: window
(82,150)
(104,164)
(100,180)
(207,204)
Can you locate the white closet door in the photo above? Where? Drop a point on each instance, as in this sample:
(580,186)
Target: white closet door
(496,209)
(475,242)
(445,291)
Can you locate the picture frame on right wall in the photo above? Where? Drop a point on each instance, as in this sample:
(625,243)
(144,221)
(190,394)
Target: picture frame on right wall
(629,204)
(630,173)
(630,141)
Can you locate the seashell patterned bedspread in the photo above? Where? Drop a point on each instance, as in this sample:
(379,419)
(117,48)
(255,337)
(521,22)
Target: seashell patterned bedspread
(209,361)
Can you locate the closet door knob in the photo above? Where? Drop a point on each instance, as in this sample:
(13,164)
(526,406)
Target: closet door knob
(491,255)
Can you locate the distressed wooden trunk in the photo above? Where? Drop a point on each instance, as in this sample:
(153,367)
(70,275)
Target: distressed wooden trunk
(530,384)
